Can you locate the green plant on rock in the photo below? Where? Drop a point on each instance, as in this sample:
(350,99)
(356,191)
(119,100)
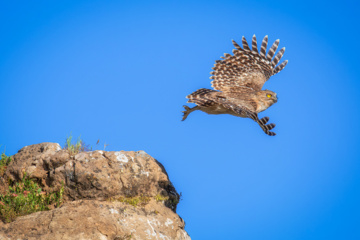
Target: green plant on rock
(79,146)
(4,162)
(26,197)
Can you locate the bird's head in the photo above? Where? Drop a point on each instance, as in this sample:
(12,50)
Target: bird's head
(268,97)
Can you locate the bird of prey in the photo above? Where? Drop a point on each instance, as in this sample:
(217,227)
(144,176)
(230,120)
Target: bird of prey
(238,80)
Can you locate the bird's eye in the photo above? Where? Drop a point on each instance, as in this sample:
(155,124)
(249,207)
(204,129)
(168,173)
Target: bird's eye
(269,95)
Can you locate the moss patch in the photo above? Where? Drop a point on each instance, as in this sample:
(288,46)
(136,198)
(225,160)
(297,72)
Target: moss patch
(133,201)
(161,198)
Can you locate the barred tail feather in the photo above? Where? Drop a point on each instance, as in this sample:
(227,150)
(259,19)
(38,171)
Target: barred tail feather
(199,92)
(202,102)
(198,97)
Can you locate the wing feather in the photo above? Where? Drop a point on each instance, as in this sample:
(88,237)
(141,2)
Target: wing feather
(254,48)
(246,68)
(278,56)
(253,115)
(273,50)
(264,46)
(245,44)
(280,67)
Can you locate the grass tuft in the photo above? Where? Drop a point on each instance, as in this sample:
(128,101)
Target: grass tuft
(76,148)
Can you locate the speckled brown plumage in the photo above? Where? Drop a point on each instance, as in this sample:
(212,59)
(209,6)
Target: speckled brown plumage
(238,80)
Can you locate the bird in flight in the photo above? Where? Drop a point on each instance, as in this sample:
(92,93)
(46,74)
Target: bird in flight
(238,80)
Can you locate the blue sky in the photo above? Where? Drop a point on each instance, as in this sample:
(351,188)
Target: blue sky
(119,71)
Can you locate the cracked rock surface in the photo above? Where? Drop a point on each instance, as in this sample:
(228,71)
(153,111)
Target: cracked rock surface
(92,180)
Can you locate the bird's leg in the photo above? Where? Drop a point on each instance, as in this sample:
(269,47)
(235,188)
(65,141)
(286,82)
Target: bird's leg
(188,111)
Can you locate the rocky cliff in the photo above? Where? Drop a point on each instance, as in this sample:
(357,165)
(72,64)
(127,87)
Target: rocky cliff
(106,195)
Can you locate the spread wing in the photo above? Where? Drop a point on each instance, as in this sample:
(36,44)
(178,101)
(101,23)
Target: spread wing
(253,115)
(247,69)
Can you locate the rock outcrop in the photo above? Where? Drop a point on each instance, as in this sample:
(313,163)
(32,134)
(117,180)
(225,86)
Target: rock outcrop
(97,186)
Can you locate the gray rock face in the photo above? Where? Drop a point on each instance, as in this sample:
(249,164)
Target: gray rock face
(94,182)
